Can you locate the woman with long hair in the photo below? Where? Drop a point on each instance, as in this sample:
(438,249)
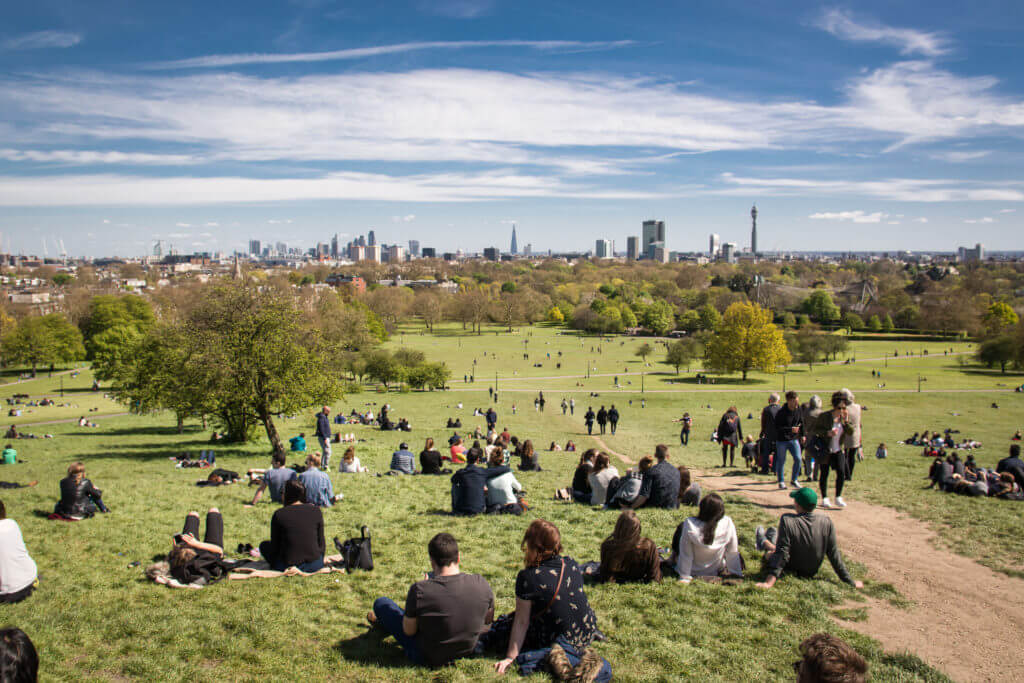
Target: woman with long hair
(199,562)
(627,556)
(349,462)
(78,497)
(552,610)
(689,490)
(730,434)
(707,545)
(600,478)
(529,461)
(430,459)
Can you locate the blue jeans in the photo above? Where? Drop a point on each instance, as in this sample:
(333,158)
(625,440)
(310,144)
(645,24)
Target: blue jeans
(684,437)
(781,447)
(534,660)
(389,616)
(325,450)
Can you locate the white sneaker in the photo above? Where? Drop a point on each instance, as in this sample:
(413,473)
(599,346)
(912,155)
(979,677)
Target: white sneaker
(826,503)
(840,502)
(781,485)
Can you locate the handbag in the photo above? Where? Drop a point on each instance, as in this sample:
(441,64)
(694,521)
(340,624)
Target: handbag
(356,553)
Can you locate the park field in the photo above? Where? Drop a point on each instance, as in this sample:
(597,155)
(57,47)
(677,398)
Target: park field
(97,617)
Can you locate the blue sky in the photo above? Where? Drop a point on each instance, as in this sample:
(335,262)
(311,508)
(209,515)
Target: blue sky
(879,126)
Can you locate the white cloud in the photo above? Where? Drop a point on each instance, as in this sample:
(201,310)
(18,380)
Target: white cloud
(1007,210)
(851,216)
(279,221)
(895,189)
(80,157)
(179,235)
(106,221)
(218,61)
(404,219)
(457,9)
(841,24)
(894,222)
(183,225)
(921,219)
(211,224)
(42,40)
(959,157)
(986,219)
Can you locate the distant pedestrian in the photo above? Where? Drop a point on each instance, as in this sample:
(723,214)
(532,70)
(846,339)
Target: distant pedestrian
(588,419)
(572,406)
(565,406)
(602,419)
(613,418)
(323,434)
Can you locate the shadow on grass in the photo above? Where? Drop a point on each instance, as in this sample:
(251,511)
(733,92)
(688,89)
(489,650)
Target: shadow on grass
(718,381)
(369,648)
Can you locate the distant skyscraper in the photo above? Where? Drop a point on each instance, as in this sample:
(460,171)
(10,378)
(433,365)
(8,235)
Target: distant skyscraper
(414,248)
(396,254)
(729,252)
(514,246)
(753,230)
(361,241)
(281,248)
(371,239)
(429,252)
(373,252)
(714,245)
(968,255)
(603,249)
(334,246)
(254,247)
(492,253)
(632,248)
(653,231)
(158,249)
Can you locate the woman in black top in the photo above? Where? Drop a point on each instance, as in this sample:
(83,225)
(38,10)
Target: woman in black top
(296,533)
(430,460)
(580,484)
(730,433)
(78,497)
(551,607)
(192,561)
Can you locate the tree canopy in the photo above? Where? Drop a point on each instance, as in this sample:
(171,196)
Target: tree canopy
(43,340)
(745,340)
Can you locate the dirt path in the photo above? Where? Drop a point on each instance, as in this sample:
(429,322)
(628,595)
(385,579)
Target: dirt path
(964,615)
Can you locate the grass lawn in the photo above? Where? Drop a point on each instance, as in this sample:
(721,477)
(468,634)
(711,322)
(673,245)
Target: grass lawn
(95,617)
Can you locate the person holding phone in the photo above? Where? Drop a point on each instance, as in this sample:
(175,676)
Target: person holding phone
(194,561)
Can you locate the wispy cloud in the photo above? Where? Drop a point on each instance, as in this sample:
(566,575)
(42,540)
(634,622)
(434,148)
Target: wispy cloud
(408,218)
(41,40)
(895,189)
(183,225)
(85,157)
(957,157)
(1007,210)
(219,61)
(851,216)
(920,219)
(457,9)
(842,24)
(986,219)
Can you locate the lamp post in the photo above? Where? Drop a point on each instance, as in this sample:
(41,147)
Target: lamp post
(919,380)
(642,374)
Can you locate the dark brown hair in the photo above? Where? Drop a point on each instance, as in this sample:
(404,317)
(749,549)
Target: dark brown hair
(684,479)
(646,463)
(443,550)
(711,511)
(600,462)
(830,660)
(541,541)
(623,540)
(661,452)
(350,454)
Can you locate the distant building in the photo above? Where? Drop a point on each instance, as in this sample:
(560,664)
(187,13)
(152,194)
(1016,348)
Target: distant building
(660,254)
(492,253)
(373,253)
(371,239)
(714,245)
(356,252)
(968,255)
(414,248)
(528,250)
(323,250)
(334,247)
(281,248)
(428,252)
(254,247)
(603,248)
(632,248)
(514,247)
(652,231)
(449,256)
(753,230)
(729,252)
(396,254)
(357,283)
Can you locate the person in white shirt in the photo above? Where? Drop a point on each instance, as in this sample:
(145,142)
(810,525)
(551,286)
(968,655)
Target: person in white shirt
(502,490)
(707,544)
(350,463)
(602,475)
(17,570)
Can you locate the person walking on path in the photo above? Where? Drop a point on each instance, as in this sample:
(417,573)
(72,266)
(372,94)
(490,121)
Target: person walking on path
(613,418)
(852,439)
(787,428)
(832,425)
(588,419)
(572,406)
(768,438)
(602,419)
(684,433)
(323,434)
(565,407)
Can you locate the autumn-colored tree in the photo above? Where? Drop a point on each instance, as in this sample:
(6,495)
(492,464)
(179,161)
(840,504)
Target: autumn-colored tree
(745,340)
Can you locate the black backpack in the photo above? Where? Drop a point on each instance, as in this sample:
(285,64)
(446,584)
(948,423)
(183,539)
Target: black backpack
(356,553)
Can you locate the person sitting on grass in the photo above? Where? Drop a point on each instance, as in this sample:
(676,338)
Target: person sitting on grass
(430,459)
(79,499)
(802,542)
(319,490)
(9,456)
(1016,436)
(296,533)
(881,452)
(529,461)
(553,622)
(298,443)
(581,491)
(444,614)
(661,483)
(600,478)
(1008,488)
(622,493)
(689,491)
(570,446)
(18,573)
(402,460)
(1013,464)
(199,562)
(941,473)
(19,657)
(457,452)
(828,659)
(469,486)
(627,556)
(273,479)
(504,492)
(350,463)
(707,545)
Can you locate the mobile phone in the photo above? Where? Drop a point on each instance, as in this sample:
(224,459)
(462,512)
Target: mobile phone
(178,538)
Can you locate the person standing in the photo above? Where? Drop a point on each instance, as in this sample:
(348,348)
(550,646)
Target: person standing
(787,429)
(323,434)
(540,400)
(813,442)
(767,437)
(588,419)
(613,418)
(852,439)
(565,406)
(572,406)
(602,419)
(684,433)
(832,426)
(730,434)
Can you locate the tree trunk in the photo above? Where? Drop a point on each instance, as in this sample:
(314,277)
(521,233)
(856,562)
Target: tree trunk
(181,424)
(268,423)
(744,375)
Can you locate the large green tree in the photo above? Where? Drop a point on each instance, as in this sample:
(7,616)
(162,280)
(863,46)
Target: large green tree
(1001,351)
(43,340)
(108,312)
(745,340)
(819,306)
(682,352)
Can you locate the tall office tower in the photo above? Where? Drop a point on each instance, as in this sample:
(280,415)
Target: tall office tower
(356,252)
(281,248)
(373,252)
(361,241)
(491,253)
(396,254)
(323,250)
(528,250)
(334,246)
(429,252)
(158,249)
(753,230)
(254,247)
(371,239)
(729,252)
(653,231)
(603,248)
(632,248)
(414,248)
(714,244)
(514,246)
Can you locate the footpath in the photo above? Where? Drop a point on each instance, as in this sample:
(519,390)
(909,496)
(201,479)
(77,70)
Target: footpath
(965,617)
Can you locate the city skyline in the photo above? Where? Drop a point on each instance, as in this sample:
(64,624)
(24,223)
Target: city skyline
(874,128)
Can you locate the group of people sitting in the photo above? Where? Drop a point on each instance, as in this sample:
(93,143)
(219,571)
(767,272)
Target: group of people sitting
(936,443)
(317,486)
(653,483)
(951,474)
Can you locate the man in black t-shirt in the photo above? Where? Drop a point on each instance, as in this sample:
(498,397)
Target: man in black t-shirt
(444,613)
(660,488)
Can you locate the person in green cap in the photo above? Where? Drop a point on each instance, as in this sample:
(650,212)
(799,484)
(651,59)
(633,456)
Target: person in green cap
(802,542)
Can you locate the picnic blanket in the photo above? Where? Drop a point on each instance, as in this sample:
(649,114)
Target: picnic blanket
(160,572)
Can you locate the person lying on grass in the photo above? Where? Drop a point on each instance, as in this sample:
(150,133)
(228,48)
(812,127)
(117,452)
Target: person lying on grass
(199,562)
(801,543)
(627,556)
(79,499)
(444,614)
(296,533)
(707,545)
(273,479)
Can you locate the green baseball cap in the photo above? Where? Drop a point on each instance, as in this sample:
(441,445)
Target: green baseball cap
(805,498)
